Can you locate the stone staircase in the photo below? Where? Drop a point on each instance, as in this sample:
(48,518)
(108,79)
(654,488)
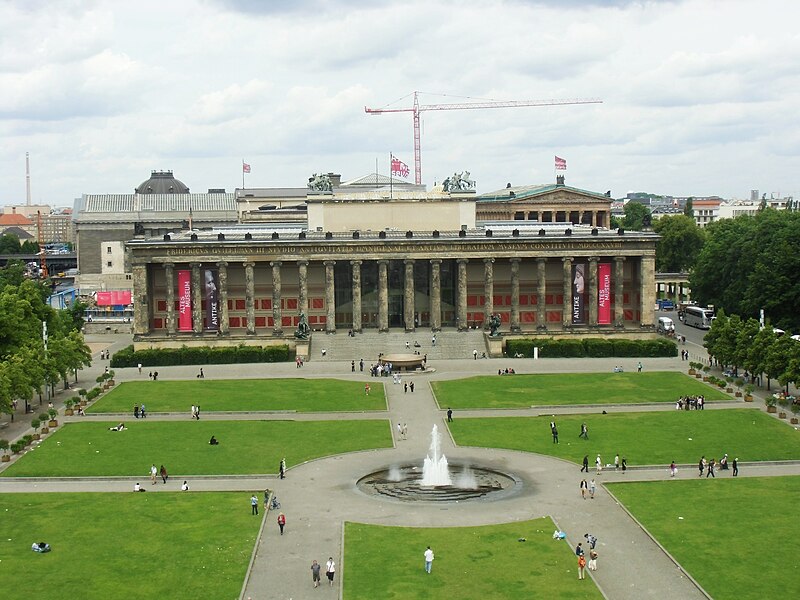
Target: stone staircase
(450,344)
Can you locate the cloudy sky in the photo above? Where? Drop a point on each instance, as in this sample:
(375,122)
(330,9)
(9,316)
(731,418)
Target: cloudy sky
(699,97)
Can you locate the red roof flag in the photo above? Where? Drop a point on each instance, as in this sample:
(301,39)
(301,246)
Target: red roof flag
(561,164)
(245,167)
(399,167)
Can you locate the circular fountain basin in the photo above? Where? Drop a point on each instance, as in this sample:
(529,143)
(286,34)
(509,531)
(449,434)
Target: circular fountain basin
(403,362)
(470,482)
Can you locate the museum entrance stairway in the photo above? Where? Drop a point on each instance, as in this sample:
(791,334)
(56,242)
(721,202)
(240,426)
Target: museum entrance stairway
(450,344)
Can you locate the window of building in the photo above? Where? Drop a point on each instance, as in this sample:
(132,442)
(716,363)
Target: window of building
(108,249)
(108,264)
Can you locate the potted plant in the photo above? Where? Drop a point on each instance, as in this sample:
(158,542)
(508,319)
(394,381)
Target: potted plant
(17,447)
(770,401)
(43,418)
(111,381)
(748,392)
(795,408)
(783,403)
(706,369)
(27,440)
(82,394)
(692,368)
(35,424)
(739,382)
(4,446)
(729,388)
(52,422)
(68,404)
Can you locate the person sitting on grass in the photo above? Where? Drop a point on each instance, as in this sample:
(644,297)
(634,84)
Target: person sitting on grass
(138,488)
(213,441)
(120,427)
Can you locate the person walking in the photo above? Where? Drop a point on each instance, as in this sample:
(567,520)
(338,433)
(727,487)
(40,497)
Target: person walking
(140,368)
(405,388)
(673,468)
(581,567)
(474,355)
(163,472)
(735,467)
(405,431)
(592,560)
(253,505)
(624,465)
(554,431)
(136,410)
(352,366)
(428,560)
(361,365)
(585,466)
(616,462)
(411,387)
(639,367)
(579,549)
(592,489)
(282,468)
(584,487)
(449,415)
(330,570)
(153,473)
(399,431)
(598,465)
(315,568)
(584,432)
(701,466)
(711,464)
(591,540)
(281,522)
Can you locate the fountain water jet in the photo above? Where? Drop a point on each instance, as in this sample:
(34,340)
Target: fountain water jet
(435,471)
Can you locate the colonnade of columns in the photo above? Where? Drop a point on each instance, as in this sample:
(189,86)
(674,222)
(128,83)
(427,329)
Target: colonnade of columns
(646,276)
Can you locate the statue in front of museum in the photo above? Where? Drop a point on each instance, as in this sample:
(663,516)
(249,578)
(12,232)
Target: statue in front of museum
(303,330)
(320,182)
(458,182)
(494,325)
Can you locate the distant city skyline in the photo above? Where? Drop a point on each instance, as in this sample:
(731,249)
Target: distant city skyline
(699,97)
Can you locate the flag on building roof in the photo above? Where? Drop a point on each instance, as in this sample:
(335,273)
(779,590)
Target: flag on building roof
(399,167)
(245,167)
(561,164)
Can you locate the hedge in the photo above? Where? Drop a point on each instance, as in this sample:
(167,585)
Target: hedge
(127,357)
(592,348)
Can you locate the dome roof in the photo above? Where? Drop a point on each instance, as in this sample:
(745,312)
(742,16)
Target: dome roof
(162,182)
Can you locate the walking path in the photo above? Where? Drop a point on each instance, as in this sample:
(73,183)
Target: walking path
(319,496)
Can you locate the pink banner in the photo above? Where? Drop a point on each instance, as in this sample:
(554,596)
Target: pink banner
(604,293)
(184,300)
(115,298)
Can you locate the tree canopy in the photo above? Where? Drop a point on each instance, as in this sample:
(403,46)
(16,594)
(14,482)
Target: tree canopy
(680,243)
(637,216)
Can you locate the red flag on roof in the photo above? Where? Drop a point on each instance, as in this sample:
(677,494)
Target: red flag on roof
(561,164)
(399,167)
(245,167)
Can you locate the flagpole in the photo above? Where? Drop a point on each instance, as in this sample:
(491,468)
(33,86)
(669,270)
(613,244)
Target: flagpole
(242,173)
(391,179)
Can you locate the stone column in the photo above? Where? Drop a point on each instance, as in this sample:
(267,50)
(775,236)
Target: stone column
(593,291)
(383,295)
(436,294)
(515,326)
(541,293)
(330,297)
(461,312)
(356,264)
(141,304)
(408,292)
(224,323)
(647,289)
(619,291)
(566,309)
(197,300)
(302,270)
(488,291)
(277,309)
(250,297)
(169,275)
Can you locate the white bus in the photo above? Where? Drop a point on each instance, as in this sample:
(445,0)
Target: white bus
(696,316)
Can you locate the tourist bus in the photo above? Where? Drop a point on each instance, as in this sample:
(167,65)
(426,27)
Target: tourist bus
(697,316)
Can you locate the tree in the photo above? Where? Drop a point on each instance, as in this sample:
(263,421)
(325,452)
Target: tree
(744,339)
(757,354)
(680,244)
(9,244)
(688,210)
(29,247)
(636,215)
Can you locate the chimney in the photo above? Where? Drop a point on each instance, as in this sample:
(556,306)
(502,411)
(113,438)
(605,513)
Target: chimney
(336,179)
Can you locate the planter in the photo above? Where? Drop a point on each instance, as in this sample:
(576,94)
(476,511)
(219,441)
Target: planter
(45,430)
(772,409)
(698,376)
(6,458)
(793,420)
(748,398)
(729,390)
(738,394)
(52,423)
(111,383)
(36,436)
(68,412)
(782,415)
(692,372)
(705,377)
(83,403)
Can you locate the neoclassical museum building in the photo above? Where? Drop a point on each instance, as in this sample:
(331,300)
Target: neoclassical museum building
(542,258)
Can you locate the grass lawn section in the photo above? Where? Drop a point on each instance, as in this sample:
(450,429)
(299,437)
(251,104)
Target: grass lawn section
(301,395)
(556,389)
(181,545)
(469,562)
(735,536)
(649,438)
(245,447)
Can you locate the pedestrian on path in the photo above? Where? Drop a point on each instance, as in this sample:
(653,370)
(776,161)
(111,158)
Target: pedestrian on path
(153,473)
(616,462)
(624,465)
(711,464)
(590,540)
(579,549)
(201,375)
(584,432)
(702,465)
(639,367)
(592,560)
(428,560)
(405,388)
(405,431)
(352,366)
(474,355)
(282,468)
(449,415)
(281,522)
(673,468)
(735,467)
(163,472)
(584,486)
(143,411)
(315,567)
(598,465)
(330,570)
(581,567)
(361,365)
(554,431)
(253,505)
(136,411)
(411,387)
(399,431)
(592,489)
(585,466)
(140,368)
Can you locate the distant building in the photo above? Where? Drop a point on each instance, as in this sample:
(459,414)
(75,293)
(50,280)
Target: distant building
(19,223)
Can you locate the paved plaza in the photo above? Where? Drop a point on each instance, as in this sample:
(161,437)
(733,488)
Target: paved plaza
(320,495)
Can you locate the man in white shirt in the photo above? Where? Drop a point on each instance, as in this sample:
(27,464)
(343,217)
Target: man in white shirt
(428,560)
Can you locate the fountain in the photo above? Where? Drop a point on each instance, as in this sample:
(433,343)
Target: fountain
(435,471)
(434,481)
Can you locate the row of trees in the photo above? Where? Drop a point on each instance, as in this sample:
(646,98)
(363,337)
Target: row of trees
(25,366)
(10,244)
(744,344)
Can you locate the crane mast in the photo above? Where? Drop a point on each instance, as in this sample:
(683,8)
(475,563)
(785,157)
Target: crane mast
(417,108)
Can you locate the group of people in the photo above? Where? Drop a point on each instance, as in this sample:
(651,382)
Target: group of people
(138,488)
(195,414)
(591,541)
(139,411)
(508,371)
(690,403)
(330,571)
(709,466)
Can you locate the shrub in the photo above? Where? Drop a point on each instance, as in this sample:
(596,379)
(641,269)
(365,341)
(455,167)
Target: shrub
(592,347)
(35,423)
(93,393)
(598,347)
(4,445)
(524,347)
(53,413)
(201,356)
(44,417)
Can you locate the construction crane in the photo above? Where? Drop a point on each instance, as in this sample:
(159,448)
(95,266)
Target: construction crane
(417,108)
(43,274)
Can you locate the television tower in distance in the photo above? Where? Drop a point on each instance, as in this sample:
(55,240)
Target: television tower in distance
(28,177)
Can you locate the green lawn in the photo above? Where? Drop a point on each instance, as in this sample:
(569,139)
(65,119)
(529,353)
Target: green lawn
(556,389)
(301,395)
(469,562)
(181,545)
(735,536)
(644,438)
(245,447)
